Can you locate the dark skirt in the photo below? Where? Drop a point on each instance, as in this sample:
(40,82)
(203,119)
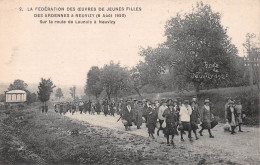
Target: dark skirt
(185,126)
(194,126)
(151,127)
(170,129)
(206,125)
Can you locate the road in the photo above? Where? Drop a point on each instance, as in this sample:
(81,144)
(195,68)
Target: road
(241,148)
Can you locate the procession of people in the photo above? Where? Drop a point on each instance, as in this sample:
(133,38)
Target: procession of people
(172,116)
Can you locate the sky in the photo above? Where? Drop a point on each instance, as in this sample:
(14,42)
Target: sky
(30,50)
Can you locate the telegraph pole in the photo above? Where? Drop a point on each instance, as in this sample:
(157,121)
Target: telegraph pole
(252,63)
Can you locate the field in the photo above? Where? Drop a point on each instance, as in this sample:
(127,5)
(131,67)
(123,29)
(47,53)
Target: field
(31,137)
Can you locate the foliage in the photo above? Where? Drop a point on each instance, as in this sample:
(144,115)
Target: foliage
(45,89)
(113,78)
(196,38)
(253,51)
(93,84)
(31,97)
(73,92)
(18,85)
(2,97)
(58,93)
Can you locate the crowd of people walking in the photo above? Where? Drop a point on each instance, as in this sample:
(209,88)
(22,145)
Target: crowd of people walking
(170,116)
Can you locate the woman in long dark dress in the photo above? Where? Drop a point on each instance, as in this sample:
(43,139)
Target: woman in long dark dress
(151,119)
(138,113)
(127,115)
(105,104)
(194,118)
(170,115)
(231,116)
(206,116)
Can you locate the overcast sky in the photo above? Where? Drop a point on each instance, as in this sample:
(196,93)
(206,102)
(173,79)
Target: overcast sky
(65,53)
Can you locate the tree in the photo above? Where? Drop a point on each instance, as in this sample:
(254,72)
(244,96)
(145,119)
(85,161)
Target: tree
(201,47)
(18,85)
(58,93)
(2,98)
(156,62)
(73,92)
(31,97)
(135,81)
(253,51)
(93,84)
(113,78)
(45,89)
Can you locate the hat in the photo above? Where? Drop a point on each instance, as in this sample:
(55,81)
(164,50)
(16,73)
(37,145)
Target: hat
(231,102)
(139,102)
(186,101)
(194,99)
(206,101)
(164,101)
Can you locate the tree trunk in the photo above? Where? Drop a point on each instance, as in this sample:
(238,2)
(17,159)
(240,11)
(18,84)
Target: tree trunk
(138,92)
(108,94)
(197,86)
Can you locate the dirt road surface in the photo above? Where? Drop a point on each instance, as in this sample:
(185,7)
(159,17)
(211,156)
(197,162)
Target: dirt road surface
(241,148)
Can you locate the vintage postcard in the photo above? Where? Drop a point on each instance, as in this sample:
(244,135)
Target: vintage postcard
(129,82)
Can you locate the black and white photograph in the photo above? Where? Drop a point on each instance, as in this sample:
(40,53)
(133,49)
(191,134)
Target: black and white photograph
(129,82)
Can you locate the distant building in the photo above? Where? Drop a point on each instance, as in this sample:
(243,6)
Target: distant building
(15,96)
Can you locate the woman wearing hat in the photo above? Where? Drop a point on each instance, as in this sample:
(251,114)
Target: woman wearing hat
(161,118)
(231,116)
(138,113)
(145,109)
(226,106)
(185,112)
(206,117)
(127,115)
(194,117)
(171,121)
(105,105)
(151,119)
(238,108)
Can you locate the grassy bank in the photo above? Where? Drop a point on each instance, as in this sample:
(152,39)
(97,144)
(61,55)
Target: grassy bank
(30,137)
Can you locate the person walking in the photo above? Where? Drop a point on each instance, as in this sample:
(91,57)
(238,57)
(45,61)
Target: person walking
(138,113)
(206,116)
(161,118)
(239,111)
(145,110)
(98,107)
(151,119)
(112,107)
(170,115)
(185,112)
(93,108)
(194,117)
(231,116)
(127,115)
(105,105)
